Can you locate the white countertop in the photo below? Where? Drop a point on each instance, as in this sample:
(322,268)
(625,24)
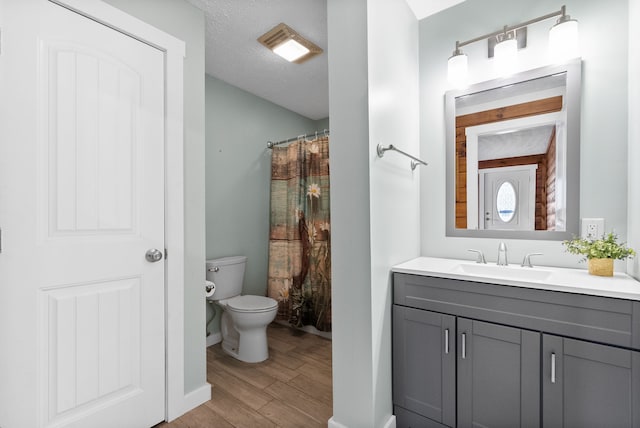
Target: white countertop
(620,286)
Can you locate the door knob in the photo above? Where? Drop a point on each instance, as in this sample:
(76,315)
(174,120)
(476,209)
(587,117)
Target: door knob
(153,255)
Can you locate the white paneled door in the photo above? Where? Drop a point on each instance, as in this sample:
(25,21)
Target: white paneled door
(81,203)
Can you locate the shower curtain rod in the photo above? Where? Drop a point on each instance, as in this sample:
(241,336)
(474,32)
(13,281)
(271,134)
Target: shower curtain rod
(325,133)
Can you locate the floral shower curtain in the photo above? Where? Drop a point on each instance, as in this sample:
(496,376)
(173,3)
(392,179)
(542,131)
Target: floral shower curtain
(300,233)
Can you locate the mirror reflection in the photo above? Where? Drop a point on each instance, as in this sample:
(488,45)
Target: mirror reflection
(513,168)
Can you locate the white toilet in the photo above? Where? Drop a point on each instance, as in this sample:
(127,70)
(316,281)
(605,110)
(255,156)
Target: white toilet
(244,318)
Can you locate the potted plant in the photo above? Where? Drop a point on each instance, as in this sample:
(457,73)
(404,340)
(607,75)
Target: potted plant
(600,253)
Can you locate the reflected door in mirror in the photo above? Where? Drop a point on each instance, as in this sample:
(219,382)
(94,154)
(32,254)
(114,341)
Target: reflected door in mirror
(507,198)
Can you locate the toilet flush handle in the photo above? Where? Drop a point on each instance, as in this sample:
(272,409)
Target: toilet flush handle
(214,269)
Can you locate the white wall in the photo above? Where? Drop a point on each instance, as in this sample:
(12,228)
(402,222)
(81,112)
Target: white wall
(350,246)
(373,85)
(603,160)
(394,188)
(633,266)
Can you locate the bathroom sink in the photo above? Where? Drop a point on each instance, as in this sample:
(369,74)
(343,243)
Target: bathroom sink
(505,272)
(620,285)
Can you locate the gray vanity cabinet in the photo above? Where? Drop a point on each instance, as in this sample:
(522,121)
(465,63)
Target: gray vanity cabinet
(498,367)
(498,375)
(589,385)
(519,357)
(424,363)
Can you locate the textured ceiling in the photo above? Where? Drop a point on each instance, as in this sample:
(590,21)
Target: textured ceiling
(233,54)
(525,142)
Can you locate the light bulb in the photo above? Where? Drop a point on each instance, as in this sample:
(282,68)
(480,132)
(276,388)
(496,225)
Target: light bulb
(291,50)
(505,55)
(457,70)
(564,41)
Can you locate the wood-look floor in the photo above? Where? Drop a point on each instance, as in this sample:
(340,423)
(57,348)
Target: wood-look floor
(291,389)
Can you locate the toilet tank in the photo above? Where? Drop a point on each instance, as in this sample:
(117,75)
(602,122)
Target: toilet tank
(227,273)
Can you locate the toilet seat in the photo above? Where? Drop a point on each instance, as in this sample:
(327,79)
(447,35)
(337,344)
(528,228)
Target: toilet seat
(251,304)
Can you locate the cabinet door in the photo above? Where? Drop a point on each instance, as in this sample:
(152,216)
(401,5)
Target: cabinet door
(498,375)
(589,385)
(424,363)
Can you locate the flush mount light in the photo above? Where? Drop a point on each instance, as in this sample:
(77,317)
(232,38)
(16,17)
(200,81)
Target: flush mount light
(291,50)
(504,43)
(286,42)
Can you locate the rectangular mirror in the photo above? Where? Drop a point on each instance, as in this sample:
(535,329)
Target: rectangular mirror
(513,156)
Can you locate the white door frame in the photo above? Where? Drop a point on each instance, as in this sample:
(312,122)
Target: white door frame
(174,51)
(474,132)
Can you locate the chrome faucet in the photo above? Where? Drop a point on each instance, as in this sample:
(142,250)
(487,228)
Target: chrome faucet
(502,254)
(480,258)
(527,260)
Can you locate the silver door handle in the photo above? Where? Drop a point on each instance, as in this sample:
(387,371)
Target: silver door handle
(153,255)
(553,367)
(464,346)
(446,341)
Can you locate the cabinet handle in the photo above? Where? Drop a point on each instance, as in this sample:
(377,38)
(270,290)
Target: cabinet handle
(464,346)
(446,341)
(553,367)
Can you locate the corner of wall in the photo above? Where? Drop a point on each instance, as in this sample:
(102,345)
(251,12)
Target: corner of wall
(350,213)
(633,198)
(375,209)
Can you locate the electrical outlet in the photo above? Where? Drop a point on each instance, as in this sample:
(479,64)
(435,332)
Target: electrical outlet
(592,228)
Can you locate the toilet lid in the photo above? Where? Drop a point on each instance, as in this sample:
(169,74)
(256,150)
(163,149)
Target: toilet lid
(251,303)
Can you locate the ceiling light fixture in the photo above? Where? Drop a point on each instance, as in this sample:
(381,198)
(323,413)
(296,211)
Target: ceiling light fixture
(286,42)
(290,50)
(563,45)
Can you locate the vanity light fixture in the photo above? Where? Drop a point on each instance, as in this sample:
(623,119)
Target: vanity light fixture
(505,53)
(563,45)
(458,69)
(286,42)
(564,42)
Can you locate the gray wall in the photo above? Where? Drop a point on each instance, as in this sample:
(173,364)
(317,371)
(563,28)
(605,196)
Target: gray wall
(238,171)
(322,124)
(603,160)
(186,22)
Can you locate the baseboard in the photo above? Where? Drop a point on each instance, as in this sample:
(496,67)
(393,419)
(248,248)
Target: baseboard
(214,338)
(334,424)
(390,423)
(195,398)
